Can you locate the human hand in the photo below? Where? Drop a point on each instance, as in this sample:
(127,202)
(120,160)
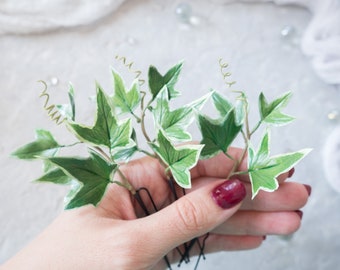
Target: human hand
(111,236)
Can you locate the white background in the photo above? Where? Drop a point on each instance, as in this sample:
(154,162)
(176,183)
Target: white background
(149,32)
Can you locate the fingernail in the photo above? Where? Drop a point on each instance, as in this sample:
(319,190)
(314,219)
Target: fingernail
(229,193)
(291,172)
(300,213)
(309,189)
(264,237)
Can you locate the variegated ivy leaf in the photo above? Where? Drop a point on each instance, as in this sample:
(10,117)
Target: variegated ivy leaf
(178,159)
(271,112)
(218,134)
(93,174)
(222,104)
(124,154)
(106,130)
(56,176)
(158,81)
(44,146)
(68,110)
(174,123)
(264,170)
(125,101)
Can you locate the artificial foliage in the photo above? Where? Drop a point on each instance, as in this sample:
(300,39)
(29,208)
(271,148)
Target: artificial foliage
(112,139)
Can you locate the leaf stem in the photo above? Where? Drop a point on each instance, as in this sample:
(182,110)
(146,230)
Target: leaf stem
(125,182)
(147,153)
(256,127)
(70,145)
(142,118)
(138,119)
(102,152)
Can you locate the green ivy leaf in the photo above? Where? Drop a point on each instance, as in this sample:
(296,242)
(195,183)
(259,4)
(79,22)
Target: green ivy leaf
(72,114)
(271,112)
(68,111)
(124,154)
(106,130)
(218,134)
(264,170)
(125,100)
(178,159)
(56,176)
(94,174)
(222,104)
(44,145)
(158,81)
(174,123)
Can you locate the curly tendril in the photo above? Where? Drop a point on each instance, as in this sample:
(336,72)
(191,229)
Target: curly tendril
(137,72)
(225,73)
(52,111)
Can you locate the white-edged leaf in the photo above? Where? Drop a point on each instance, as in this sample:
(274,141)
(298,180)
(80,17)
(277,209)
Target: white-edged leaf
(107,131)
(45,145)
(263,170)
(157,81)
(125,101)
(178,159)
(218,134)
(93,173)
(270,112)
(175,123)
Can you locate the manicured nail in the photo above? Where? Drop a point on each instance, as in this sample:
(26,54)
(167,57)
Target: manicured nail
(264,237)
(309,189)
(229,193)
(300,213)
(291,172)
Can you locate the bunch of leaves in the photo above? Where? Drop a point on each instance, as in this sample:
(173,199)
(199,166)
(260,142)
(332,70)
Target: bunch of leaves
(218,135)
(112,139)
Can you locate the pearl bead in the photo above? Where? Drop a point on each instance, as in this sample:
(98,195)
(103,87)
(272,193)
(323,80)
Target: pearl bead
(184,12)
(54,81)
(333,115)
(287,31)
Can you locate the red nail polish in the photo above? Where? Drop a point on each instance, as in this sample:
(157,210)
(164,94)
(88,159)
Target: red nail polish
(229,193)
(300,213)
(309,189)
(291,172)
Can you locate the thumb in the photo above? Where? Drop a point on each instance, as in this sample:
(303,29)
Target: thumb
(194,214)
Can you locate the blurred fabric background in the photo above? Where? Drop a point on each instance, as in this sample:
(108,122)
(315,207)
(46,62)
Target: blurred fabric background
(271,46)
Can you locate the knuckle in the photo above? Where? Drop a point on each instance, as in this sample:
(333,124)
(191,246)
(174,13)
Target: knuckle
(191,217)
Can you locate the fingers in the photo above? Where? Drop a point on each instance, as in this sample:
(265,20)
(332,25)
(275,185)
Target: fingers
(261,223)
(289,196)
(217,242)
(220,166)
(194,214)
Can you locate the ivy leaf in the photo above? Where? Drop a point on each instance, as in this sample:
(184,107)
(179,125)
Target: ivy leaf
(174,123)
(68,111)
(125,100)
(221,103)
(264,170)
(178,159)
(271,112)
(218,134)
(44,145)
(106,130)
(124,154)
(56,176)
(158,81)
(93,173)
